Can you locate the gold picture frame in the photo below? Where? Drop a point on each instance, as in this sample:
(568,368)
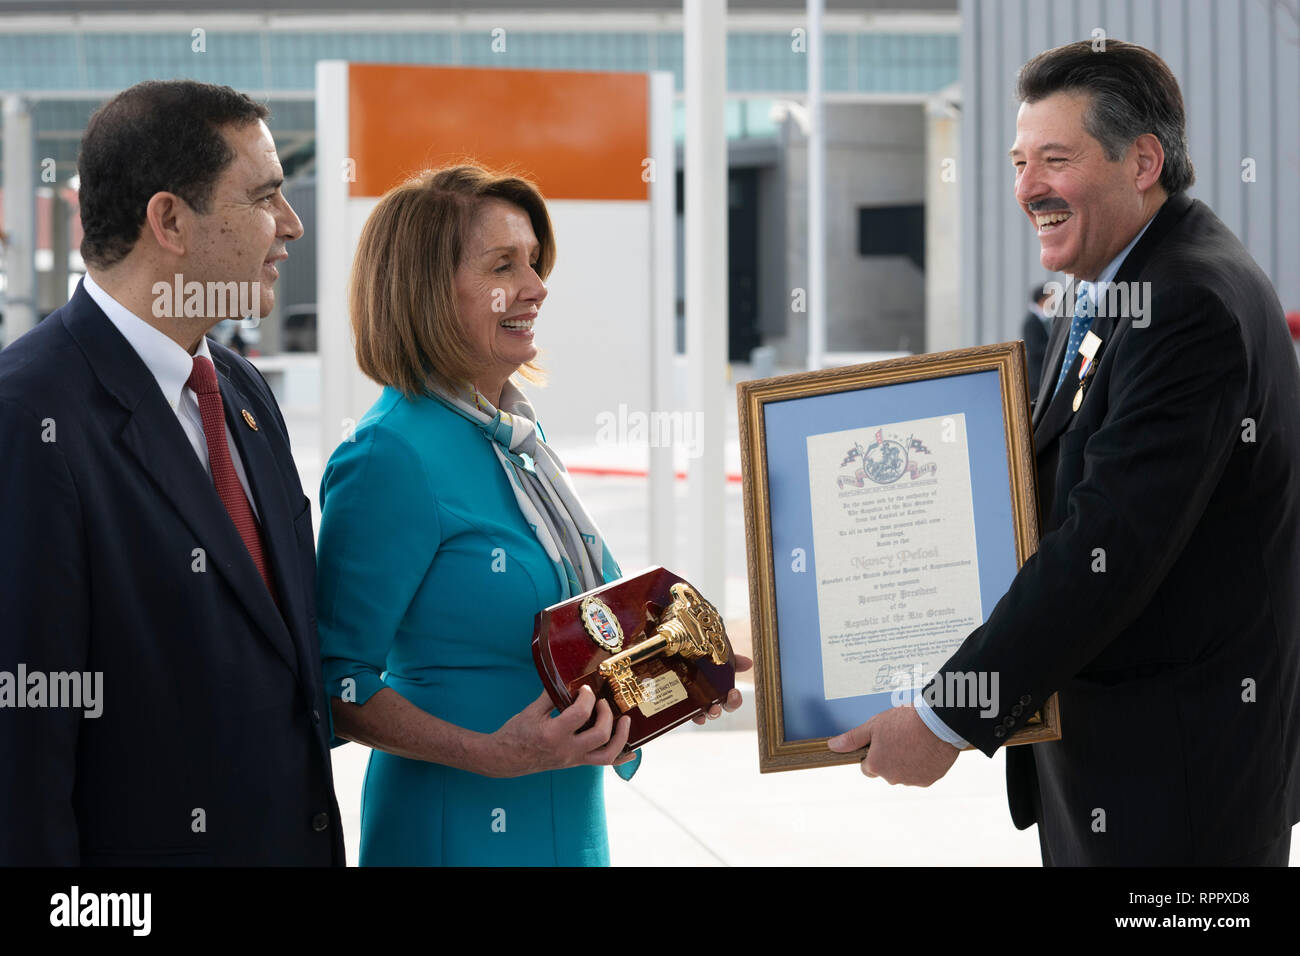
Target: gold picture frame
(776,415)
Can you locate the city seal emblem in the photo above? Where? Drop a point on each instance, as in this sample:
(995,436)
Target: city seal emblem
(601,624)
(885,460)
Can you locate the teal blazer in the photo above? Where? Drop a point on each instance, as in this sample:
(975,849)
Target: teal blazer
(428,581)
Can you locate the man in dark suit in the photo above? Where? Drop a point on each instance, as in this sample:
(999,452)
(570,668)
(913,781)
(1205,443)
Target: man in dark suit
(157,568)
(1034,330)
(1162,603)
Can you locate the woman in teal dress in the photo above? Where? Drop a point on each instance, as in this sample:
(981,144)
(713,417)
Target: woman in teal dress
(447,524)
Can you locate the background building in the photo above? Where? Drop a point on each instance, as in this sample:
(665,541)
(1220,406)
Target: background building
(882,65)
(925,247)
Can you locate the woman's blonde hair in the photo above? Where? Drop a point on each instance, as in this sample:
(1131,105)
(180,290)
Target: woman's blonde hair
(402,294)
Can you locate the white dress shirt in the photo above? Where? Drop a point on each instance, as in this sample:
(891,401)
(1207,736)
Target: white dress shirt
(170,366)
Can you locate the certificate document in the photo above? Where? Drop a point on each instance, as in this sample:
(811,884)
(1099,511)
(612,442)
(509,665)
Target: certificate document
(897,567)
(888,507)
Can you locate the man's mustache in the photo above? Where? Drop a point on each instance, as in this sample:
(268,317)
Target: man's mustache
(1048,205)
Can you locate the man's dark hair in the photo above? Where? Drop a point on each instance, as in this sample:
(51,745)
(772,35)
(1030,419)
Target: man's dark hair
(1131,91)
(154,137)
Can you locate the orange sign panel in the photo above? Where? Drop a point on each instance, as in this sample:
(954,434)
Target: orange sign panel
(578,135)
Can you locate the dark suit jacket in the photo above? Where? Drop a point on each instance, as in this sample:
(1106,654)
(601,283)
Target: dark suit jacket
(1178,665)
(213,743)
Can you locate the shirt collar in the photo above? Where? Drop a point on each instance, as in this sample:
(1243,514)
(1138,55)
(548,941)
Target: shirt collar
(1107,274)
(169,364)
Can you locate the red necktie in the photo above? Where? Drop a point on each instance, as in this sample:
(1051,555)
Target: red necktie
(203,381)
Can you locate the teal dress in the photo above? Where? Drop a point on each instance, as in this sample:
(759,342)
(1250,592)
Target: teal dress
(428,581)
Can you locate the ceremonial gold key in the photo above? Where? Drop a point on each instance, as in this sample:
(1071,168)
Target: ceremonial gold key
(691,627)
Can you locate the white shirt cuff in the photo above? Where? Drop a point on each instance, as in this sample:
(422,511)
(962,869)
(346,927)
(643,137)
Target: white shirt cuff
(937,726)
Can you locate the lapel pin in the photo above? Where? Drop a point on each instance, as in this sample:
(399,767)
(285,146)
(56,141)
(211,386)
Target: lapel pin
(1087,351)
(250,421)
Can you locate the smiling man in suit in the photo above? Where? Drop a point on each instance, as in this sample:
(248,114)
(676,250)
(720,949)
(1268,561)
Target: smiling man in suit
(157,539)
(1162,603)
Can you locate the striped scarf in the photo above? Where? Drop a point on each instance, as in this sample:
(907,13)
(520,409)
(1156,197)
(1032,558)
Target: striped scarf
(542,488)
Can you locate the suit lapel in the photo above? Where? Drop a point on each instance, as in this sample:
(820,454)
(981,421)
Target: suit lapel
(154,437)
(1060,406)
(273,508)
(1051,416)
(1051,368)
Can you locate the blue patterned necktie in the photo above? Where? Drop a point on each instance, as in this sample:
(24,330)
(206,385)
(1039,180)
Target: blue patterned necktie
(1078,328)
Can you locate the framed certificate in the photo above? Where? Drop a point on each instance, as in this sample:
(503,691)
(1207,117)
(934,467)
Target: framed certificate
(888,507)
